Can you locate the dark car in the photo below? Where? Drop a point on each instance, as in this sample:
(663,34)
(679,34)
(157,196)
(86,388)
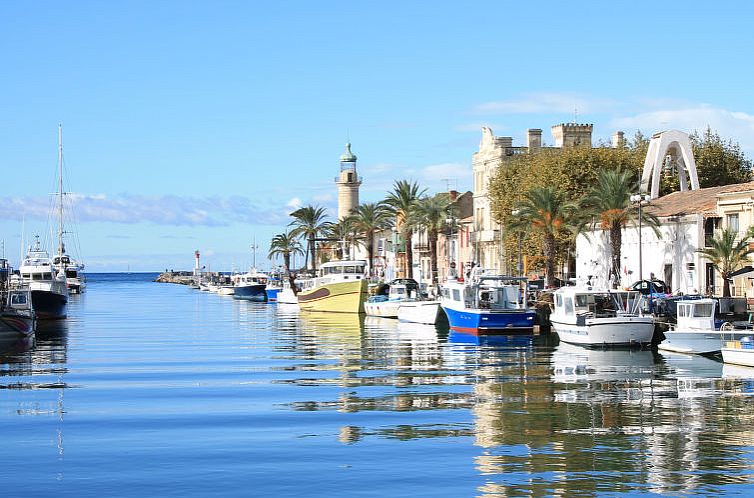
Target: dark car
(654,287)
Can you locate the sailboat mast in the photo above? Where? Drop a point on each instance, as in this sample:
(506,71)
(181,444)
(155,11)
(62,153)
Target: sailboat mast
(61,248)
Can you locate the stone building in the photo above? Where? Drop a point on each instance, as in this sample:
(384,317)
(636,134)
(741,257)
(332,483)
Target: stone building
(494,152)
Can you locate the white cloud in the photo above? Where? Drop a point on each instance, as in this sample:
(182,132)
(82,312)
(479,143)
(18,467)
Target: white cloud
(294,203)
(734,125)
(161,210)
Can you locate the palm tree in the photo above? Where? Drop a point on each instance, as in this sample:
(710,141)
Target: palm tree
(609,201)
(547,211)
(727,255)
(344,234)
(368,219)
(285,245)
(308,222)
(402,203)
(431,215)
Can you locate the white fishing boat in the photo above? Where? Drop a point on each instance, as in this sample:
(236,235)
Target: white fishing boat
(286,294)
(49,293)
(386,306)
(697,331)
(739,351)
(596,317)
(419,311)
(339,287)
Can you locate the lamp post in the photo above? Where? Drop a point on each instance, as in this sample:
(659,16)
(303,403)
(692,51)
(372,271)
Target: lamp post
(451,221)
(640,199)
(516,212)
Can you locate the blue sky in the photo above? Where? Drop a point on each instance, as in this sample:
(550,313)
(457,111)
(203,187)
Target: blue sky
(200,125)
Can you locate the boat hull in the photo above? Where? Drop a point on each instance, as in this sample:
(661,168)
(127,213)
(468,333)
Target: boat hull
(336,297)
(49,305)
(286,296)
(738,355)
(619,331)
(698,341)
(254,293)
(272,294)
(493,322)
(419,312)
(13,323)
(384,309)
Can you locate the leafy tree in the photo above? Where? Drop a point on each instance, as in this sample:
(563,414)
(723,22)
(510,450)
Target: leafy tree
(402,203)
(308,222)
(431,214)
(719,162)
(368,219)
(728,254)
(285,245)
(547,211)
(571,171)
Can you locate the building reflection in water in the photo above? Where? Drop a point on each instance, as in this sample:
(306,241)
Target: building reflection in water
(608,421)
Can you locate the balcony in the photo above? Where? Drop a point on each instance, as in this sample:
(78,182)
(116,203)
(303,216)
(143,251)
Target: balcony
(484,236)
(421,247)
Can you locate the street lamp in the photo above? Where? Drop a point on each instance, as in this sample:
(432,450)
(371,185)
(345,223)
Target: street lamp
(450,222)
(516,212)
(640,200)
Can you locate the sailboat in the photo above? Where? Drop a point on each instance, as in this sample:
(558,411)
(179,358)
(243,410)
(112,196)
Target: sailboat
(63,262)
(47,282)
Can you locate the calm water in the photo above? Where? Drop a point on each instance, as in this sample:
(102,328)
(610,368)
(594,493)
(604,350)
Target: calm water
(156,390)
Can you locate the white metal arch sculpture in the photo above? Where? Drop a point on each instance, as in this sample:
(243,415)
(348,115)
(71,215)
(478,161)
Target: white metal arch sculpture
(669,149)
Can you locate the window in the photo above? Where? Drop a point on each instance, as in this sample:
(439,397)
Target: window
(558,300)
(704,310)
(569,305)
(456,295)
(732,220)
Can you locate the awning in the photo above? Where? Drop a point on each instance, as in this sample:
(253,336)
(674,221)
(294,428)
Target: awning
(746,271)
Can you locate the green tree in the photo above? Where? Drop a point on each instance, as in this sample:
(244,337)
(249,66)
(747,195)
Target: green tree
(609,202)
(727,254)
(402,203)
(344,234)
(719,162)
(431,214)
(308,222)
(547,211)
(285,245)
(571,171)
(368,219)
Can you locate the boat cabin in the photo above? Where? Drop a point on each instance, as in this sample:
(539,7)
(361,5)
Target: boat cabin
(492,293)
(596,304)
(698,314)
(347,270)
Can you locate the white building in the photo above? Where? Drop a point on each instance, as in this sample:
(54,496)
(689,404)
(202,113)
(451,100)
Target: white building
(688,220)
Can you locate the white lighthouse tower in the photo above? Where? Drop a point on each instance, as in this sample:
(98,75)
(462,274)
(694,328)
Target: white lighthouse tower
(348,183)
(197,270)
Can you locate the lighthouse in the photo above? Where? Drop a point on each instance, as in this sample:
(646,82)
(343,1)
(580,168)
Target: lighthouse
(197,271)
(348,183)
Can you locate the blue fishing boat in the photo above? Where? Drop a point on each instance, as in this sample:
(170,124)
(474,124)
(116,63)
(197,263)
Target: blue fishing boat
(250,286)
(488,303)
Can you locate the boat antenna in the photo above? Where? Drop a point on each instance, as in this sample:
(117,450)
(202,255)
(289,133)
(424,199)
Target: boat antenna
(61,247)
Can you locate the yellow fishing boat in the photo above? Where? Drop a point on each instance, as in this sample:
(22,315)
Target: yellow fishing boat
(340,287)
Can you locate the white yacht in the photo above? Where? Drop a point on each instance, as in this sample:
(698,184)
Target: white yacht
(697,331)
(739,352)
(250,286)
(74,273)
(49,293)
(387,306)
(592,317)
